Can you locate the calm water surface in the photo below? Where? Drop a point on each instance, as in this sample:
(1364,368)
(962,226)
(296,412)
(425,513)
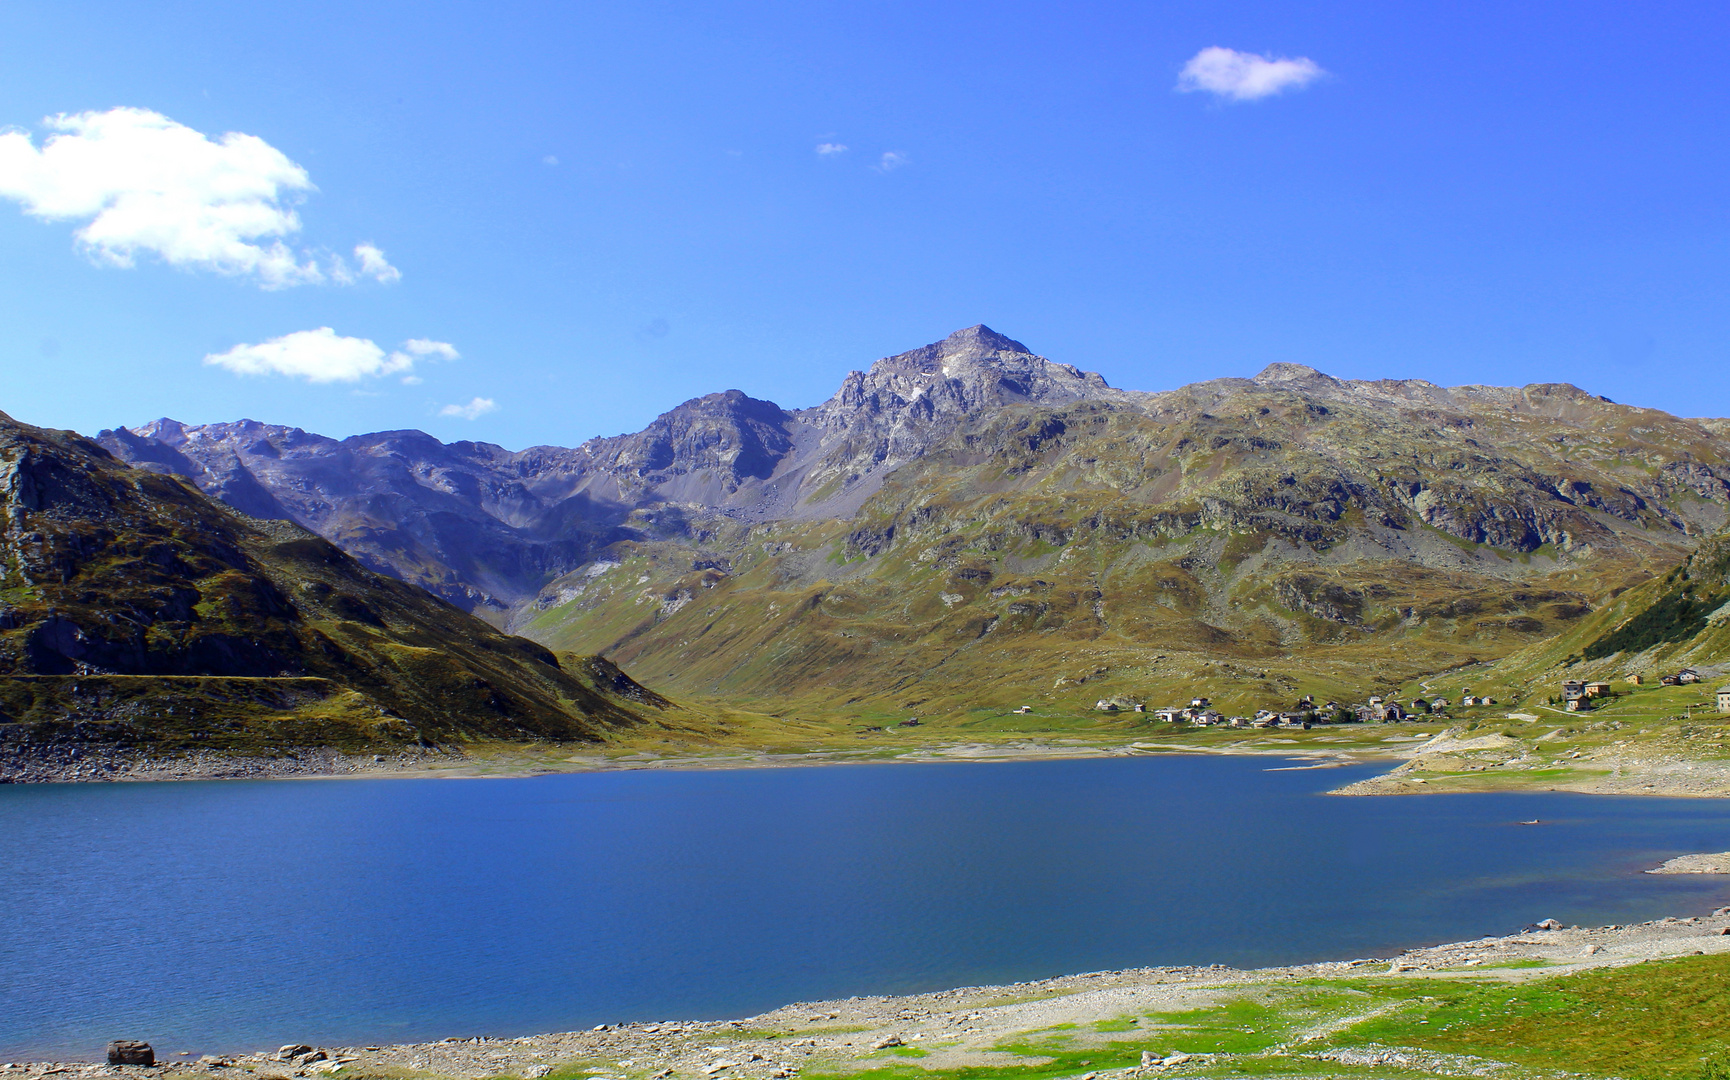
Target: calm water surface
(232,916)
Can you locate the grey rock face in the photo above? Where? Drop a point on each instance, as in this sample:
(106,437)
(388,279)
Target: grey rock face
(130,1052)
(907,404)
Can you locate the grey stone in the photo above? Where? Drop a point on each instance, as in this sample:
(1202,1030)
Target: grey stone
(130,1052)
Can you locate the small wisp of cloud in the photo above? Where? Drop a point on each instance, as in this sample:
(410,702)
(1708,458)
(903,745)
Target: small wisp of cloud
(424,348)
(144,184)
(890,161)
(1241,76)
(373,264)
(474,410)
(324,356)
(830,149)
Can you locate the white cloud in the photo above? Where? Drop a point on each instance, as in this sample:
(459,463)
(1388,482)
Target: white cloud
(323,356)
(422,347)
(474,410)
(1244,76)
(890,161)
(830,149)
(550,160)
(315,355)
(374,265)
(142,183)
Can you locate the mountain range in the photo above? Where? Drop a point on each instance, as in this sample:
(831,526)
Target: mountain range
(970,525)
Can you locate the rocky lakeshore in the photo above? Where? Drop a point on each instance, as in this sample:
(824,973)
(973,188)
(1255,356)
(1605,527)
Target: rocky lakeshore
(98,763)
(101,764)
(1031,1024)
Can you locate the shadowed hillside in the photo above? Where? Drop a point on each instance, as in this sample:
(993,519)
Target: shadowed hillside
(135,609)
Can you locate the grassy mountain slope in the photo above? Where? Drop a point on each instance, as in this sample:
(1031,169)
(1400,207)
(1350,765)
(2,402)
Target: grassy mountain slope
(1248,540)
(134,608)
(1679,618)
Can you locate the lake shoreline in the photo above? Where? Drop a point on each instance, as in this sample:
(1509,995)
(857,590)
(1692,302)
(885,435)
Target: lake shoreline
(955,1028)
(1442,764)
(492,762)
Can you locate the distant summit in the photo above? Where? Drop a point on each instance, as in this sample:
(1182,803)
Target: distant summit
(1282,374)
(980,338)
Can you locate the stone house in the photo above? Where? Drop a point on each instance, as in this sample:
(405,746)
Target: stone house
(1724,699)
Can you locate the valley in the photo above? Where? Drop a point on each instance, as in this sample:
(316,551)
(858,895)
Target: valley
(968,534)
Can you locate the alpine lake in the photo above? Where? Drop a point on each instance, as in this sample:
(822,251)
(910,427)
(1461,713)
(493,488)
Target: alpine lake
(220,917)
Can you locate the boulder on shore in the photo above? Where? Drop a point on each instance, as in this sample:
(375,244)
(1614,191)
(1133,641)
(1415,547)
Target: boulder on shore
(130,1052)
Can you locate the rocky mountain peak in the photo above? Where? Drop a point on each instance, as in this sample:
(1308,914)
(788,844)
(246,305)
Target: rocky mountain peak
(163,429)
(979,341)
(1295,375)
(968,371)
(729,434)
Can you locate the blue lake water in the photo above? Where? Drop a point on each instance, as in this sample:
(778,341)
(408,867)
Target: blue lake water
(217,917)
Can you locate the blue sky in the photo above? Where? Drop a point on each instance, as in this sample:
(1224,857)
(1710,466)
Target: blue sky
(606,209)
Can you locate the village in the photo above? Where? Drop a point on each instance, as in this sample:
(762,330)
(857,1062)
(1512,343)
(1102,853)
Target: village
(1575,696)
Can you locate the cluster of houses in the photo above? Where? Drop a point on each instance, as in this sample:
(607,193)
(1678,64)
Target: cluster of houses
(1577,696)
(1685,677)
(1305,713)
